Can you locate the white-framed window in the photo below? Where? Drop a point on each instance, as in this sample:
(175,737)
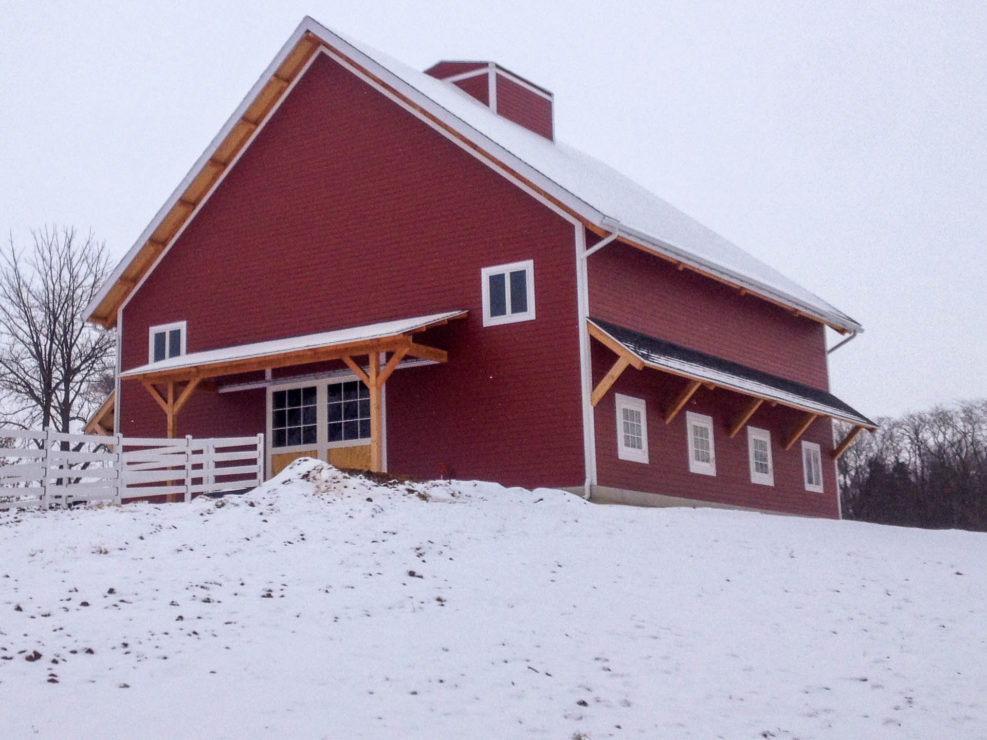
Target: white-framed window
(632,429)
(165,341)
(508,293)
(702,451)
(759,453)
(812,466)
(319,415)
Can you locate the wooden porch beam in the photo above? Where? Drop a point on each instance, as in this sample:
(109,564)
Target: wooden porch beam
(155,395)
(425,352)
(391,366)
(609,379)
(681,400)
(170,411)
(184,396)
(357,370)
(376,426)
(614,346)
(745,416)
(847,441)
(806,423)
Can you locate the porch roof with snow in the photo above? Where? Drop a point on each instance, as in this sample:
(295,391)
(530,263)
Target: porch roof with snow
(605,201)
(307,348)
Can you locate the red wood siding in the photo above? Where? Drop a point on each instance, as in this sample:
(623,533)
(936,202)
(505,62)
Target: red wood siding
(694,311)
(668,469)
(442,70)
(478,87)
(524,107)
(348,210)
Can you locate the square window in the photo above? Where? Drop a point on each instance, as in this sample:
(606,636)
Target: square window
(759,453)
(632,429)
(812,466)
(508,293)
(165,341)
(702,450)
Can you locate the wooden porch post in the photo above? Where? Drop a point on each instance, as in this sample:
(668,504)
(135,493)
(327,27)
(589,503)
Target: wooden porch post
(376,436)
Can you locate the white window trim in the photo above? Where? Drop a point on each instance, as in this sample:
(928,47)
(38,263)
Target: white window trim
(816,452)
(693,419)
(157,329)
(636,404)
(510,318)
(763,479)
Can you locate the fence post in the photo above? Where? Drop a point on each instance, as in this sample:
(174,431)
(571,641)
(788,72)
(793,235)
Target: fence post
(117,462)
(188,468)
(46,437)
(260,458)
(209,465)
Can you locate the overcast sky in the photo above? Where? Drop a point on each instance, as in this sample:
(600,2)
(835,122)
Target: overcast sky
(844,143)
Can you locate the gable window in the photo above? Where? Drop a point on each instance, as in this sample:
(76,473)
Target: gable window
(166,341)
(702,451)
(632,429)
(508,293)
(759,452)
(812,465)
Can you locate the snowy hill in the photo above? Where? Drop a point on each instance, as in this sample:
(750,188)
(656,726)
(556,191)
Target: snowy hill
(322,605)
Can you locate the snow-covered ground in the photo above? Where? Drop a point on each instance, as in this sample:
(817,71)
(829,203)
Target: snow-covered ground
(327,606)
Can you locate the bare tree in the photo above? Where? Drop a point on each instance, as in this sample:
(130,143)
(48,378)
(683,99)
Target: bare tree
(50,359)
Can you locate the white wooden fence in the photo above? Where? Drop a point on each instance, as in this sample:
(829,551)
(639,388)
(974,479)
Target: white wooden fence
(35,470)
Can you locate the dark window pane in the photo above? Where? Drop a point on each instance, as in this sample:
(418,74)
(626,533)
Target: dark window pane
(279,437)
(174,342)
(294,436)
(351,391)
(350,409)
(278,399)
(294,417)
(364,391)
(351,430)
(519,291)
(278,419)
(308,395)
(295,397)
(364,428)
(159,346)
(364,411)
(336,432)
(498,295)
(308,435)
(334,392)
(335,412)
(308,415)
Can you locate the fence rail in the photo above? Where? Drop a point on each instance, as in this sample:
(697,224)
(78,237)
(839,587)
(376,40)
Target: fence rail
(48,468)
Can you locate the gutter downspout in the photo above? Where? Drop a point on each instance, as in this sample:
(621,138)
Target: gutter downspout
(853,335)
(582,277)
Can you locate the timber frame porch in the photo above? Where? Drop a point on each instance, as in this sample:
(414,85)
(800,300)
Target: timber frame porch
(172,382)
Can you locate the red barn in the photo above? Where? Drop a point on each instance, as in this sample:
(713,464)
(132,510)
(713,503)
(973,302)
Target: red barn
(403,271)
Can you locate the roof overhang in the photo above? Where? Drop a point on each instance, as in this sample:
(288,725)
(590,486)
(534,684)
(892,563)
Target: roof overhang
(658,354)
(339,344)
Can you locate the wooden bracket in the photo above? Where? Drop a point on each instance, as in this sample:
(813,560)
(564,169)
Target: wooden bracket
(609,379)
(847,441)
(745,417)
(806,423)
(681,400)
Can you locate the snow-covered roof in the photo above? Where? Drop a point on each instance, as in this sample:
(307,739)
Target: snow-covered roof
(690,363)
(596,192)
(272,348)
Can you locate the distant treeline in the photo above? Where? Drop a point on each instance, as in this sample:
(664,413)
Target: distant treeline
(926,469)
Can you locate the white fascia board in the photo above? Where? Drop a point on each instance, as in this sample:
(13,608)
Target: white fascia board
(197,167)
